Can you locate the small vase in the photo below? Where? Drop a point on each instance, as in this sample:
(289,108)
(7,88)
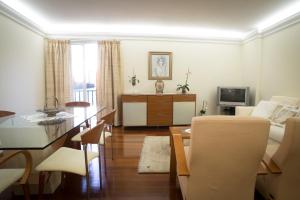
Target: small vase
(159,86)
(183,91)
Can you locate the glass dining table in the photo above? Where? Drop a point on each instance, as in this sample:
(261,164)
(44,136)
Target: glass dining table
(24,132)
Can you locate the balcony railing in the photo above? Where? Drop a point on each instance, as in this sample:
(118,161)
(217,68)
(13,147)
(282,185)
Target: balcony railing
(90,95)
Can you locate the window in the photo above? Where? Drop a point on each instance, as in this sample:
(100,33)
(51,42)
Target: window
(84,66)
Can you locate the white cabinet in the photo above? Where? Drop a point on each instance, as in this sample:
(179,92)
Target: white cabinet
(134,113)
(183,112)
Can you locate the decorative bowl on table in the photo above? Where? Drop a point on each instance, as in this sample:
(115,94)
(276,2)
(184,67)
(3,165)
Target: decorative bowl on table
(51,112)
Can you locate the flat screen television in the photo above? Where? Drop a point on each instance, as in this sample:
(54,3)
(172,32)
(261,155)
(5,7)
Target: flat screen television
(233,96)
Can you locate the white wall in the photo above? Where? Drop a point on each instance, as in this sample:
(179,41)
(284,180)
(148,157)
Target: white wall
(251,66)
(271,64)
(211,65)
(280,73)
(21,68)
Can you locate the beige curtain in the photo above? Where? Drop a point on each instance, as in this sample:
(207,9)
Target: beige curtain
(108,81)
(58,70)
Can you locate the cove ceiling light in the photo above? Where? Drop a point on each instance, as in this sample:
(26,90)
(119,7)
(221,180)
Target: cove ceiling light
(279,16)
(146,30)
(119,29)
(32,15)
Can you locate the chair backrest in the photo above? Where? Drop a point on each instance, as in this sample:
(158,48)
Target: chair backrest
(77,104)
(93,135)
(4,113)
(109,118)
(224,156)
(287,157)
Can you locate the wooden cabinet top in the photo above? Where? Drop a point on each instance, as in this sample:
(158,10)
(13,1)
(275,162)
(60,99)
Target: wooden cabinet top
(153,94)
(143,97)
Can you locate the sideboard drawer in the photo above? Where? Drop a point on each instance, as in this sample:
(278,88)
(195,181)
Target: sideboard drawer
(160,110)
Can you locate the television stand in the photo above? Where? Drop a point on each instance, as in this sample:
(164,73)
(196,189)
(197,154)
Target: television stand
(227,110)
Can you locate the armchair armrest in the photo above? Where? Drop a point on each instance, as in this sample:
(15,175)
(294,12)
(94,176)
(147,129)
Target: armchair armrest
(271,165)
(262,170)
(243,110)
(28,166)
(182,169)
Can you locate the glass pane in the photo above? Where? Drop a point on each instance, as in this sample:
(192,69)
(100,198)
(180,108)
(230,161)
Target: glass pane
(84,65)
(90,69)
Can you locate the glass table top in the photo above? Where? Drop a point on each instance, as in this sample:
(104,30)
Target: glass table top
(18,132)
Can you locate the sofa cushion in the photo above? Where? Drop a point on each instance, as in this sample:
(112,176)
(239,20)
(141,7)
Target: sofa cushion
(276,133)
(283,113)
(264,109)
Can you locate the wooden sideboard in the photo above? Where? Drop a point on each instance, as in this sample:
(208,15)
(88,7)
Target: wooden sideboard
(158,110)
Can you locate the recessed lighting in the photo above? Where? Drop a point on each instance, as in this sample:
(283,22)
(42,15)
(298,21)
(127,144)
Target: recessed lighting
(279,16)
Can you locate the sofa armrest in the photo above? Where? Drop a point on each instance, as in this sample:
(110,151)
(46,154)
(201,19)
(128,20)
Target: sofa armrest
(243,110)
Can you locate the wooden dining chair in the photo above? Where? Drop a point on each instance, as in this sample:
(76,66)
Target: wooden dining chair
(19,175)
(79,104)
(107,132)
(4,113)
(109,119)
(73,160)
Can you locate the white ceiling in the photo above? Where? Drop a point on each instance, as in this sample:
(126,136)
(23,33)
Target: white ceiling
(234,15)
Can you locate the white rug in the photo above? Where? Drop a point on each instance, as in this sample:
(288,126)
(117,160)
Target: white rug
(155,156)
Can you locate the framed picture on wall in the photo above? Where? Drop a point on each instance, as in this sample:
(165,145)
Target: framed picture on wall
(160,66)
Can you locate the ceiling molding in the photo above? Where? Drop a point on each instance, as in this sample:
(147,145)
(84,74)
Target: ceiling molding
(251,36)
(20,19)
(292,20)
(95,37)
(25,22)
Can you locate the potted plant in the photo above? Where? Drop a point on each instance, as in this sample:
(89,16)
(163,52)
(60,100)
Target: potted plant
(204,108)
(184,87)
(134,81)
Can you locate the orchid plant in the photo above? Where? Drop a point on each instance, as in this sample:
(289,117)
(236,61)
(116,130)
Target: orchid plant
(133,79)
(184,87)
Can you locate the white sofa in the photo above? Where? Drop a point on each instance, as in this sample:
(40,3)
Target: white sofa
(276,133)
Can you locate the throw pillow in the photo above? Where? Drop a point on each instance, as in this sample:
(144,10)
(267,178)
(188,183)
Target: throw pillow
(298,114)
(264,109)
(283,114)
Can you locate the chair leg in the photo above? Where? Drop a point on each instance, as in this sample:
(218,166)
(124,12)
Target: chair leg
(112,145)
(63,175)
(104,153)
(26,191)
(87,171)
(100,172)
(87,186)
(41,184)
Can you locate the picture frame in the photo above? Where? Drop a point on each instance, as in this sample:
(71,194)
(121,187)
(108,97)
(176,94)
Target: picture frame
(160,65)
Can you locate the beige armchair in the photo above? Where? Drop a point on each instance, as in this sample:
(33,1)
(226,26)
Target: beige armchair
(223,158)
(284,186)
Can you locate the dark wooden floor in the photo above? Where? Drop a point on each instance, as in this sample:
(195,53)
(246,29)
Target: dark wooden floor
(123,181)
